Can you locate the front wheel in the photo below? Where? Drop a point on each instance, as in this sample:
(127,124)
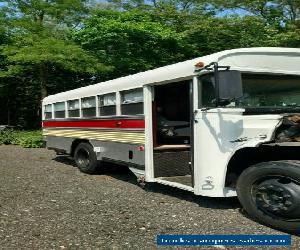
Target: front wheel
(270,193)
(85,158)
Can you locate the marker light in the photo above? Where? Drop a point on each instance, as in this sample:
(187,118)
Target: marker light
(199,65)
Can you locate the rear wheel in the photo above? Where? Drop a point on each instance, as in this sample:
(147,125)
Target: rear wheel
(85,158)
(270,193)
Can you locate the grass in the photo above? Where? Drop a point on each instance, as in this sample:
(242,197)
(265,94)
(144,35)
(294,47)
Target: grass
(26,139)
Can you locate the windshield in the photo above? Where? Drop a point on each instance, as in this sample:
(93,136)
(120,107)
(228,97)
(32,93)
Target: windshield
(262,90)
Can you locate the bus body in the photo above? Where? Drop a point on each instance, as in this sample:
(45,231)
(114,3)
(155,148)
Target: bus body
(188,126)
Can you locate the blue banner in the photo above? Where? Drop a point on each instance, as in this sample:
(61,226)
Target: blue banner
(224,240)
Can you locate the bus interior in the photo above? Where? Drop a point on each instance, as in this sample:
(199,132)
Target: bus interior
(172,133)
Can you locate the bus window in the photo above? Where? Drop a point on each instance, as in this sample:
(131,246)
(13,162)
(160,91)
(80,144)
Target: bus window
(48,111)
(73,108)
(107,104)
(132,102)
(88,106)
(59,110)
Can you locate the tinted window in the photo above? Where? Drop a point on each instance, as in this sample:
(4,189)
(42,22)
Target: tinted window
(73,108)
(132,102)
(261,90)
(107,104)
(48,111)
(88,106)
(59,110)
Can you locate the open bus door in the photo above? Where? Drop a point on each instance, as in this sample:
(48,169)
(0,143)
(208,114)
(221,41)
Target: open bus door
(172,134)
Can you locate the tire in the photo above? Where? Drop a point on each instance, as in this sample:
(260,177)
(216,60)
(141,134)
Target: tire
(270,194)
(85,158)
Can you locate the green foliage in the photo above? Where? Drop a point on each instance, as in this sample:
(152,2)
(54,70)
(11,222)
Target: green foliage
(30,52)
(26,139)
(68,12)
(48,47)
(130,41)
(7,137)
(276,11)
(40,57)
(217,34)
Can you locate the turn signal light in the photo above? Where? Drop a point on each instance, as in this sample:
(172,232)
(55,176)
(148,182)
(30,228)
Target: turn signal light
(199,65)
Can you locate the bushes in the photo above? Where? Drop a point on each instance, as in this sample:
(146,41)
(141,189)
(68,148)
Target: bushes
(26,139)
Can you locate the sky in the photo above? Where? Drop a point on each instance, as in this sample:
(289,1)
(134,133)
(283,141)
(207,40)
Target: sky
(239,12)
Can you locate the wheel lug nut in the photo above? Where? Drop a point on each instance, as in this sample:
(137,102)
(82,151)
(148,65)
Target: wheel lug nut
(262,188)
(287,196)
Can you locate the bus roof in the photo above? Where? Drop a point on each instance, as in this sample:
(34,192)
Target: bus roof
(264,59)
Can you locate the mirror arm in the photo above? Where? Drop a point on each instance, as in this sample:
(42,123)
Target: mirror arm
(216,74)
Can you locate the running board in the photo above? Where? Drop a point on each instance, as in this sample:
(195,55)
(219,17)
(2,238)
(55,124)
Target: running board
(137,172)
(174,184)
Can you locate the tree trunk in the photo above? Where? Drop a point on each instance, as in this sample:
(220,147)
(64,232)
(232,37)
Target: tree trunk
(43,75)
(8,112)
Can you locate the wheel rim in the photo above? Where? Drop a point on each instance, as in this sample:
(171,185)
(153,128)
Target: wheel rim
(83,157)
(278,196)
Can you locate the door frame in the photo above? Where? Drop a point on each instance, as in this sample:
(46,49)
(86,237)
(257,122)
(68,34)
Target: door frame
(148,112)
(149,164)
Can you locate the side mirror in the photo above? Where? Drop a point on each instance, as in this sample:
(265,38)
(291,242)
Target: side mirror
(230,86)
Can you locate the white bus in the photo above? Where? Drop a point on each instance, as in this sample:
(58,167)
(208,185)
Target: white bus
(222,125)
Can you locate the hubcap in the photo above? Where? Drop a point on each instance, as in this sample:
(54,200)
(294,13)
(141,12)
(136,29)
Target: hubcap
(83,157)
(279,197)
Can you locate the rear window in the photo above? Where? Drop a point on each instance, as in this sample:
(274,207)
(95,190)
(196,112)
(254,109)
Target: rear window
(48,111)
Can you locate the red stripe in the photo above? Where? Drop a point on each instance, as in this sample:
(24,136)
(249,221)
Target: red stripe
(95,124)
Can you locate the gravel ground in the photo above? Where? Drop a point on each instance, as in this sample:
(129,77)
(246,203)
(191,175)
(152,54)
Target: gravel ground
(46,203)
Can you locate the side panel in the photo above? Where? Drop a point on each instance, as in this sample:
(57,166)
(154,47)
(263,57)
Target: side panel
(118,140)
(218,134)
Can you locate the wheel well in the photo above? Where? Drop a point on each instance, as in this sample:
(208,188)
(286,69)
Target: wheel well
(75,143)
(246,157)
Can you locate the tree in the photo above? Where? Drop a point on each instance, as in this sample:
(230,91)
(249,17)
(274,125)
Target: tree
(276,11)
(40,47)
(130,41)
(216,34)
(37,55)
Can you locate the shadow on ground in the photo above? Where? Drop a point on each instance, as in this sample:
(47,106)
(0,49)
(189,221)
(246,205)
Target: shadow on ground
(122,173)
